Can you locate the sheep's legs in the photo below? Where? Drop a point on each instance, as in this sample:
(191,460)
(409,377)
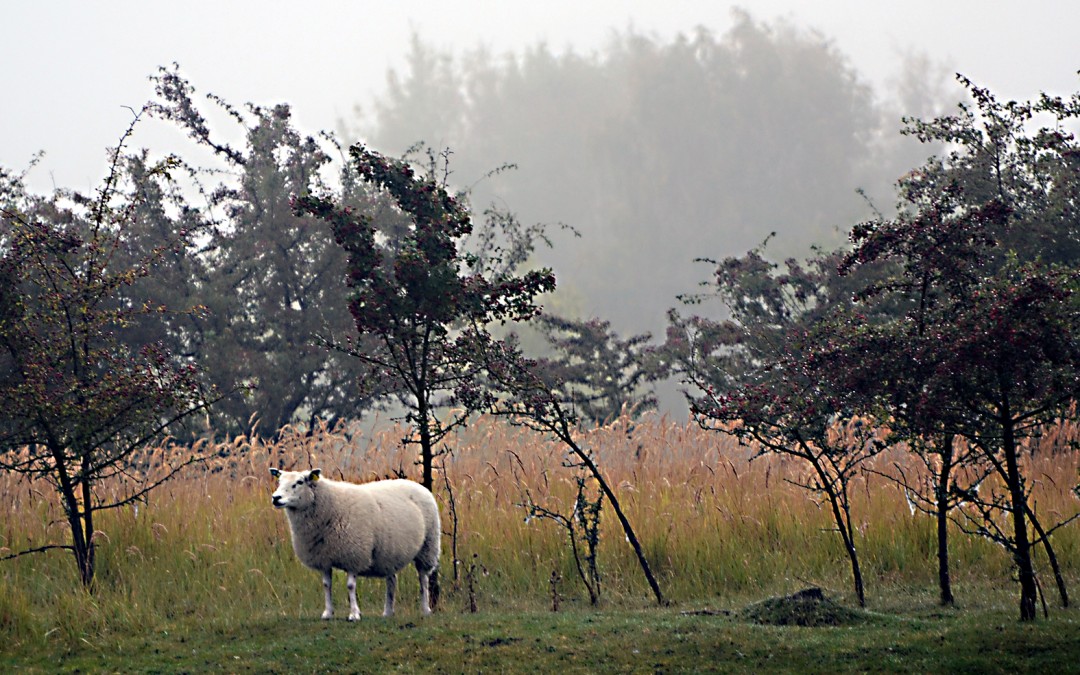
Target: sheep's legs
(391,591)
(327,582)
(354,608)
(425,601)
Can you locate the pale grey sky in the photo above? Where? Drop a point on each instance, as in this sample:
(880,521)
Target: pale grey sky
(70,66)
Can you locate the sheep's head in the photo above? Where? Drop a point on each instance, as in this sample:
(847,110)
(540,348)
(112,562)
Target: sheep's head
(296,489)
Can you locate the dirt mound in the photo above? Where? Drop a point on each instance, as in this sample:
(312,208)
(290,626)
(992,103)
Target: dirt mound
(808,607)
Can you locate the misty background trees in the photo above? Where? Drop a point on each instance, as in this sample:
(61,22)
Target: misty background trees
(662,152)
(654,153)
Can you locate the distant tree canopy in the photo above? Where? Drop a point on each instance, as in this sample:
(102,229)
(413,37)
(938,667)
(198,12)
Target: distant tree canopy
(660,152)
(598,374)
(271,282)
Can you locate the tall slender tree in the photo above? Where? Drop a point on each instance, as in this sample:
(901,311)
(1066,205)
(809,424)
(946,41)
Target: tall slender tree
(752,379)
(78,404)
(519,389)
(417,297)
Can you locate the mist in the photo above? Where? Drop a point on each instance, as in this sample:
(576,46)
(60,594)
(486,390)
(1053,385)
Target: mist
(645,144)
(660,153)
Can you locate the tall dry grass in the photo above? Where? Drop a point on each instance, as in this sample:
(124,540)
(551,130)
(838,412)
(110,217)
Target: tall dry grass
(716,526)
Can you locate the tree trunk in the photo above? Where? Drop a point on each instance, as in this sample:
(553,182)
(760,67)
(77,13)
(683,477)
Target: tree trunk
(80,543)
(627,529)
(842,517)
(1058,577)
(427,453)
(87,568)
(427,459)
(843,524)
(79,519)
(942,498)
(1021,542)
(594,593)
(856,572)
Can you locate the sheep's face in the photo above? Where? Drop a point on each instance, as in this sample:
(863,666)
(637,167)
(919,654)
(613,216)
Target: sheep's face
(296,489)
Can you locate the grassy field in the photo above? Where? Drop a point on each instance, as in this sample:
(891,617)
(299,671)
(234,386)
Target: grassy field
(202,577)
(577,641)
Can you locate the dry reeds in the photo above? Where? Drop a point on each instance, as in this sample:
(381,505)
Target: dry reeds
(207,546)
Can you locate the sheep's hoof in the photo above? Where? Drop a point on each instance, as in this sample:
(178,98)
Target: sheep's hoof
(326,616)
(354,617)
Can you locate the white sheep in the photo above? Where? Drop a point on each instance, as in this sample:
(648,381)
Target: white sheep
(371,530)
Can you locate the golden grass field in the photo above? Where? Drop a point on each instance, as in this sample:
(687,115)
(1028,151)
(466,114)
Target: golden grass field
(717,528)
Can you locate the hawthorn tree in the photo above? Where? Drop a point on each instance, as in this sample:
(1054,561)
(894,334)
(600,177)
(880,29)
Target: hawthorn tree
(522,391)
(753,380)
(78,404)
(856,356)
(993,370)
(417,296)
(986,347)
(268,278)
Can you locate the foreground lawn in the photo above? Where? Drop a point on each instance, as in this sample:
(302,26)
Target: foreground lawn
(624,640)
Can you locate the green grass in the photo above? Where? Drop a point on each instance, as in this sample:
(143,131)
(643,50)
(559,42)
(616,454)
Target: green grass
(610,640)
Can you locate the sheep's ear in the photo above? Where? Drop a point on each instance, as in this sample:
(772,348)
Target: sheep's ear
(275,472)
(314,474)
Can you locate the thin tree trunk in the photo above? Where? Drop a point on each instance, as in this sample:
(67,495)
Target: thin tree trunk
(427,458)
(89,566)
(427,453)
(594,593)
(842,516)
(80,543)
(1021,543)
(627,529)
(856,572)
(1058,577)
(88,521)
(942,497)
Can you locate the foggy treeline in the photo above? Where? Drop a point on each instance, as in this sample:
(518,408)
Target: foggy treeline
(661,152)
(655,152)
